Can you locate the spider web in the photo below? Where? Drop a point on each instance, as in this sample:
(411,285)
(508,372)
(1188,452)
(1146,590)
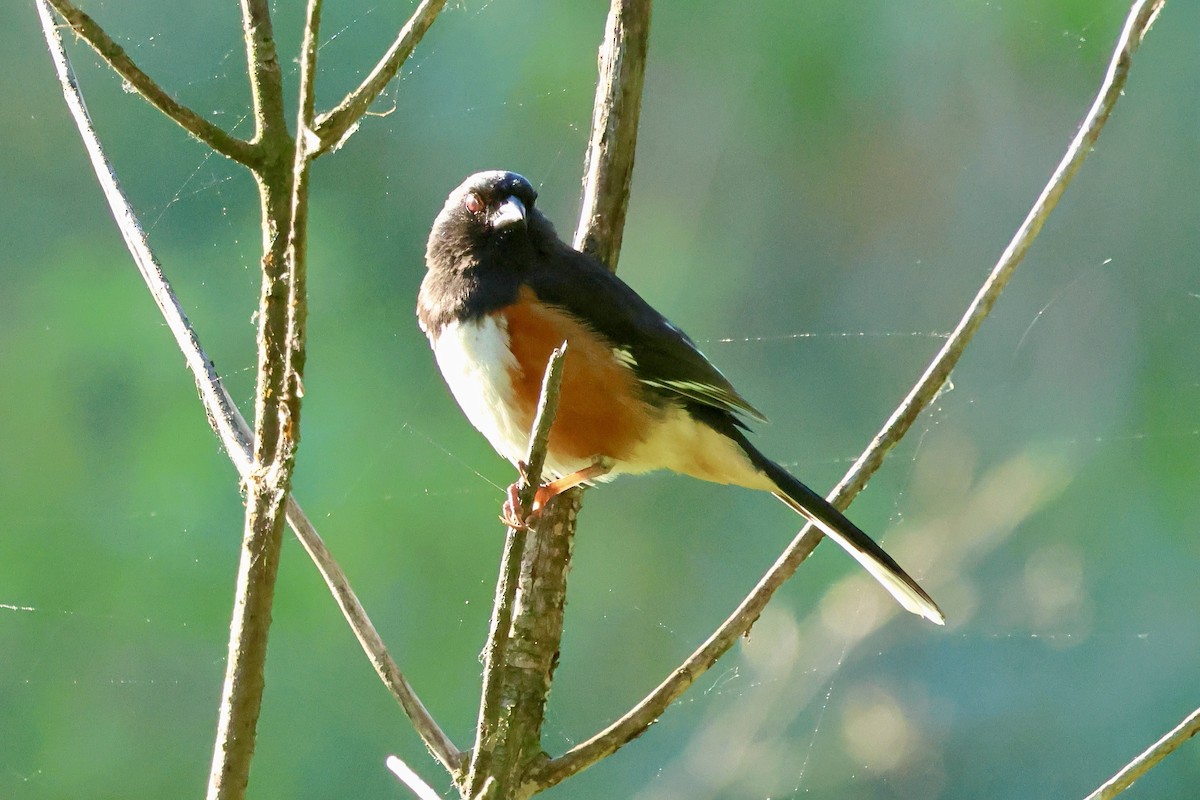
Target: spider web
(817,224)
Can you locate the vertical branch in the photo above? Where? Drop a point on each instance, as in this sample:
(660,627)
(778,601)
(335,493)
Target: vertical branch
(608,167)
(283,190)
(516,681)
(523,646)
(266,79)
(537,630)
(297,251)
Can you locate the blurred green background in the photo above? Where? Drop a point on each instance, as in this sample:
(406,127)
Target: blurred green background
(820,189)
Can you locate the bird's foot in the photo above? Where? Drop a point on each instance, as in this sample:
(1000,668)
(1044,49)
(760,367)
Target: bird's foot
(511,515)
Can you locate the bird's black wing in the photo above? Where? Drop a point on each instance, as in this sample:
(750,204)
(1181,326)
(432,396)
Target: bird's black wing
(662,356)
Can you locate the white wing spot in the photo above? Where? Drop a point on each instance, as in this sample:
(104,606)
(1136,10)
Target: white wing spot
(624,357)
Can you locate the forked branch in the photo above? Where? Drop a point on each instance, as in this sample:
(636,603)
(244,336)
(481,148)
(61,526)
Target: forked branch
(277,403)
(332,127)
(223,415)
(115,56)
(639,718)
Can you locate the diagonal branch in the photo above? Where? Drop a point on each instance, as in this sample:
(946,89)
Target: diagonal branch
(409,777)
(1141,765)
(115,56)
(224,417)
(333,127)
(435,739)
(608,166)
(638,719)
(222,413)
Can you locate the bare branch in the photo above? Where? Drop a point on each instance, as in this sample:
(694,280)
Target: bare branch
(222,414)
(115,56)
(608,167)
(638,719)
(276,420)
(333,127)
(1138,22)
(225,419)
(517,684)
(266,84)
(530,621)
(308,73)
(1142,764)
(539,437)
(411,779)
(436,740)
(607,177)
(495,707)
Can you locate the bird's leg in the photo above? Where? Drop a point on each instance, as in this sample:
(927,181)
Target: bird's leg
(548,491)
(511,515)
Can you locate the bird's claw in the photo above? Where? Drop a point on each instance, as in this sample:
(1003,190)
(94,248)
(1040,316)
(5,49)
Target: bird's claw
(511,514)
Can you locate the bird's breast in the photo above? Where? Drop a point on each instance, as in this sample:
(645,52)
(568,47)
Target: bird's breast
(494,365)
(478,366)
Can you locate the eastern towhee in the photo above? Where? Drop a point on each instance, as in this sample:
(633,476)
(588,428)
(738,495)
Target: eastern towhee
(502,291)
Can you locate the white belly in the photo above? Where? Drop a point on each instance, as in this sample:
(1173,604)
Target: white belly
(475,361)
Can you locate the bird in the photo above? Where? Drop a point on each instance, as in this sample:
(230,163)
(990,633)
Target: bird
(501,291)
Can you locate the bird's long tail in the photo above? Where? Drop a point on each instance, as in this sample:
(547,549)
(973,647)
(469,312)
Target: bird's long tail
(834,524)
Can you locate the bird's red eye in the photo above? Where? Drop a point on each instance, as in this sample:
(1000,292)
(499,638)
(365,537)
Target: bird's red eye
(473,203)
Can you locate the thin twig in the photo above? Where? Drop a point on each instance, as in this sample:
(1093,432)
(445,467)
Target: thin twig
(308,84)
(1142,764)
(491,707)
(608,166)
(115,56)
(228,423)
(411,779)
(333,127)
(222,414)
(543,420)
(426,726)
(639,718)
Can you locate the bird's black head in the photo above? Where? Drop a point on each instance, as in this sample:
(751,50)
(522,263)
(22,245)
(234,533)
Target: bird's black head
(490,215)
(483,243)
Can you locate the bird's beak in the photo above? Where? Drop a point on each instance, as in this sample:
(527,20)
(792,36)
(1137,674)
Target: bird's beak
(510,212)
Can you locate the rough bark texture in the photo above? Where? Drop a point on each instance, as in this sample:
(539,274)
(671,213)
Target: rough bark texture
(608,169)
(531,654)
